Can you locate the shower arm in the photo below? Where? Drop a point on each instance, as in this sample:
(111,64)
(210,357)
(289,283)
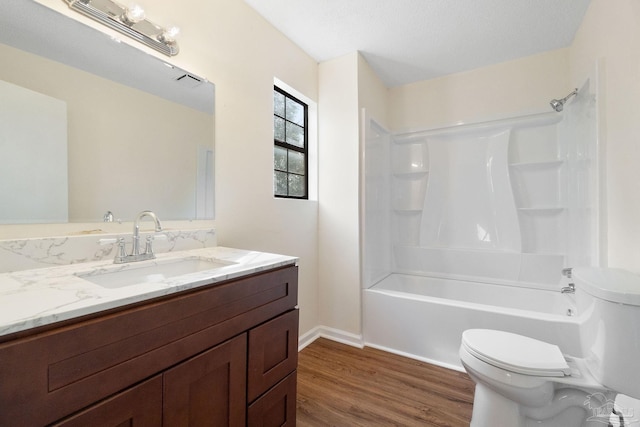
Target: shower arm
(575,92)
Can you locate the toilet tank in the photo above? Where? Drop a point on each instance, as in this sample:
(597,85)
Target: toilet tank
(608,302)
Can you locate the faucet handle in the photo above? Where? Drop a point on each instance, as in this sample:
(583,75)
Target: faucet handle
(121,254)
(148,249)
(121,247)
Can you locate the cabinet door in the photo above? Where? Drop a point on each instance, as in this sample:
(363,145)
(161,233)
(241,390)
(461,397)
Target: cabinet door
(209,389)
(277,407)
(140,406)
(273,353)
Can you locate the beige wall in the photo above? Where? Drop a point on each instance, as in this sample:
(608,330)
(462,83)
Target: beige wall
(347,86)
(511,88)
(338,229)
(231,45)
(241,53)
(610,36)
(372,93)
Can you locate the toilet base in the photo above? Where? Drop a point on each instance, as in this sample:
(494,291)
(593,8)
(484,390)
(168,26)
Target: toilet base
(507,399)
(490,409)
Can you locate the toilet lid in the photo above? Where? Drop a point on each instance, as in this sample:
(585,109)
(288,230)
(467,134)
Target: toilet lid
(516,353)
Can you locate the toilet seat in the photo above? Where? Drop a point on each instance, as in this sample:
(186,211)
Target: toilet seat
(516,353)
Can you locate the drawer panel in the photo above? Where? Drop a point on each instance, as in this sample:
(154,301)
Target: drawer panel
(63,370)
(139,406)
(277,407)
(273,353)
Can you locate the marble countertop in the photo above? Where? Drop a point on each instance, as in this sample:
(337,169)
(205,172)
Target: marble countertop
(43,296)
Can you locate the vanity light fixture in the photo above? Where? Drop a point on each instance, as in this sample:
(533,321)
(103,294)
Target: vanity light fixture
(133,14)
(130,21)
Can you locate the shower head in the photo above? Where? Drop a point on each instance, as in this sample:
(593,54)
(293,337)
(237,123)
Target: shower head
(558,104)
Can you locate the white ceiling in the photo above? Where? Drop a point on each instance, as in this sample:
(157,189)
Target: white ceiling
(406,41)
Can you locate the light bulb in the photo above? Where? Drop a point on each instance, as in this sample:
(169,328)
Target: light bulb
(133,13)
(169,35)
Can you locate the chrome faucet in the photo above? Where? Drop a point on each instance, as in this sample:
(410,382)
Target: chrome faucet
(135,255)
(108,217)
(571,288)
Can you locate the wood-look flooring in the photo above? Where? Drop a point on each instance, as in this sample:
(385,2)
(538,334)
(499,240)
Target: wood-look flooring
(339,385)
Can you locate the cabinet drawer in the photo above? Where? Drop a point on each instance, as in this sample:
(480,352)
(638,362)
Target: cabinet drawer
(277,407)
(140,406)
(50,375)
(273,353)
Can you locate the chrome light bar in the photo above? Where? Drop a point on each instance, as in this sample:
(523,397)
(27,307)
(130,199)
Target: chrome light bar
(129,21)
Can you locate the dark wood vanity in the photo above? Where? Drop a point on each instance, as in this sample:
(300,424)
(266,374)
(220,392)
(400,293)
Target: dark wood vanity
(223,354)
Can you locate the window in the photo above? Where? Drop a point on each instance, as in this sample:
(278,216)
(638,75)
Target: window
(290,150)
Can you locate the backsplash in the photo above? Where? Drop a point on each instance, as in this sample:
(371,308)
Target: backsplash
(26,254)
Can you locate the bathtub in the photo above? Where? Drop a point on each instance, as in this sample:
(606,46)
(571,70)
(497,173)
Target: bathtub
(424,317)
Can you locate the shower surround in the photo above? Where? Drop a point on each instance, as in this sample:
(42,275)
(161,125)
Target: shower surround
(508,202)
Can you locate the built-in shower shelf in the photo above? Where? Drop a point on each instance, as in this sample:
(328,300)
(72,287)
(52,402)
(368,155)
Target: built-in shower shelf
(402,211)
(554,254)
(534,166)
(410,139)
(414,174)
(543,210)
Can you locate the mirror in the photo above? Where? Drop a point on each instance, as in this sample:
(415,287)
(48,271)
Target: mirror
(139,131)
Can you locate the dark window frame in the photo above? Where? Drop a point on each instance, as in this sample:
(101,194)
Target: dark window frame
(304,150)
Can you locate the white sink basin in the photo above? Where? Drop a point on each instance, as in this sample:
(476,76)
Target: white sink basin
(135,273)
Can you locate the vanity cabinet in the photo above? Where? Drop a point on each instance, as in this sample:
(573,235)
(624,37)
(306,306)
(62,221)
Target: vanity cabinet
(224,354)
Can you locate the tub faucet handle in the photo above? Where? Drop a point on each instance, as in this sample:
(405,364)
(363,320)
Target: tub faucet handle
(566,272)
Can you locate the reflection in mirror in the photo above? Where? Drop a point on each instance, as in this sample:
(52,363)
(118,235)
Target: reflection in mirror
(33,149)
(138,135)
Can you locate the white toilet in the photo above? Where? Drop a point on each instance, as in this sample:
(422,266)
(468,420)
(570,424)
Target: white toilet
(525,382)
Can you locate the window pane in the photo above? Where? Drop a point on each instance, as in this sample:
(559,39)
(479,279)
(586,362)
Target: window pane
(296,185)
(295,135)
(296,162)
(280,183)
(278,128)
(295,112)
(290,146)
(280,158)
(278,103)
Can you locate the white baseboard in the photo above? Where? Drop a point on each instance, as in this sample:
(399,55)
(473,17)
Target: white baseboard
(356,340)
(458,368)
(348,338)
